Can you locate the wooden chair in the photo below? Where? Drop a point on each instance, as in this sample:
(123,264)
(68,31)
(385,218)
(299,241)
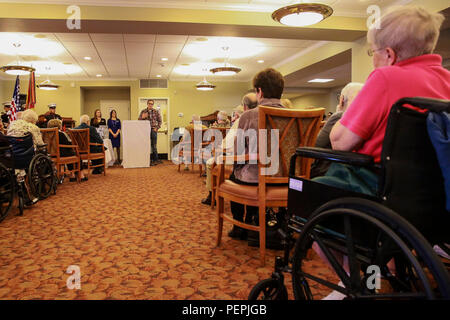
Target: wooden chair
(51,138)
(193,150)
(81,138)
(296,128)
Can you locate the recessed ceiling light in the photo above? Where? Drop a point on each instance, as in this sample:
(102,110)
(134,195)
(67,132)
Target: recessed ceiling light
(40,36)
(158,76)
(320,80)
(87,58)
(201,39)
(164,59)
(260,61)
(99,75)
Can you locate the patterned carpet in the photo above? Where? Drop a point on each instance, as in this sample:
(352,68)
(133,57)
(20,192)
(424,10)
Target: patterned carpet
(135,234)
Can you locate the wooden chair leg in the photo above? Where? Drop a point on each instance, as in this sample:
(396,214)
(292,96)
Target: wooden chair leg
(220,209)
(104,166)
(262,235)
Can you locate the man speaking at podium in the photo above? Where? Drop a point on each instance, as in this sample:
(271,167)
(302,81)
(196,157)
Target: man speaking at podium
(154,117)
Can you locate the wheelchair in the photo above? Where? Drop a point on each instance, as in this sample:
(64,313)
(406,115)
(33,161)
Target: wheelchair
(19,153)
(386,238)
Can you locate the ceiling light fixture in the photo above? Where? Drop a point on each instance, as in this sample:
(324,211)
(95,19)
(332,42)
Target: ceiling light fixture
(164,59)
(99,75)
(227,69)
(17,69)
(205,85)
(158,76)
(260,61)
(88,58)
(47,84)
(302,14)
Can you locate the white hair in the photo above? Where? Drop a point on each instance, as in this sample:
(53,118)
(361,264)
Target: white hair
(349,92)
(30,116)
(410,31)
(195,118)
(84,119)
(222,115)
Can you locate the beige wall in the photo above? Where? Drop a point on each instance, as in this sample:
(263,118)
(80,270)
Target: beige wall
(91,98)
(314,100)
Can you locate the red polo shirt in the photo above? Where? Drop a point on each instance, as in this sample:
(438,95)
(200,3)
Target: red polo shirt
(367,116)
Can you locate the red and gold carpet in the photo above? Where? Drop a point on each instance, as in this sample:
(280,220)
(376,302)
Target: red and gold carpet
(135,234)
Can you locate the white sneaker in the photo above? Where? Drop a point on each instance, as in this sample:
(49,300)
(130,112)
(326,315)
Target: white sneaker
(336,295)
(441,252)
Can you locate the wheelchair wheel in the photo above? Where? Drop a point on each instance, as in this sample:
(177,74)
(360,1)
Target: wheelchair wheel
(269,289)
(6,191)
(374,238)
(41,175)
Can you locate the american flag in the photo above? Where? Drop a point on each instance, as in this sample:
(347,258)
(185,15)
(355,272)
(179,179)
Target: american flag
(15,100)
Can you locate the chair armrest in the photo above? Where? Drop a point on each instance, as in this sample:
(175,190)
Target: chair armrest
(347,157)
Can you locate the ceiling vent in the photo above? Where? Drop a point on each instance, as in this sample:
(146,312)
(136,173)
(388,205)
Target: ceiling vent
(153,84)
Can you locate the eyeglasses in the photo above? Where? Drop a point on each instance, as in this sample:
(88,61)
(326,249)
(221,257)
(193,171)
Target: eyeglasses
(370,52)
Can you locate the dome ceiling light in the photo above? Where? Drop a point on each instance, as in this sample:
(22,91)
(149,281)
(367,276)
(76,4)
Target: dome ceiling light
(47,84)
(205,85)
(302,14)
(227,69)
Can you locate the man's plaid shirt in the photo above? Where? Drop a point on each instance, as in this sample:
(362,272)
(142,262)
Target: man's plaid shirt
(153,116)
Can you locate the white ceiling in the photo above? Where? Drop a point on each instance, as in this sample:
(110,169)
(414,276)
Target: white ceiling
(129,56)
(340,7)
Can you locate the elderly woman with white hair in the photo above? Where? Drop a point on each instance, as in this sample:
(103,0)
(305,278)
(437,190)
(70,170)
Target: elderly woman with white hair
(26,125)
(222,120)
(405,66)
(195,124)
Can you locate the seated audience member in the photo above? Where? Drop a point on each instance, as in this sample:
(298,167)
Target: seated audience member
(405,66)
(94,137)
(20,128)
(97,120)
(26,125)
(269,86)
(236,114)
(195,124)
(248,102)
(222,120)
(348,94)
(64,139)
(19,115)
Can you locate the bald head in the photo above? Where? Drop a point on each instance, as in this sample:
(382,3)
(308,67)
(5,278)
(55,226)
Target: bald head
(249,101)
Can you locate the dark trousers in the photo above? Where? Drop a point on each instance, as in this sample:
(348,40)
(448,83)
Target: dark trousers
(153,141)
(238,209)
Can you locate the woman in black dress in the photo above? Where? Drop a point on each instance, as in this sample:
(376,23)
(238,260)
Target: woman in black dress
(97,120)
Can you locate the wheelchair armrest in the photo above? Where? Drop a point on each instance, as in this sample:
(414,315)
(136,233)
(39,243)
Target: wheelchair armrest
(352,158)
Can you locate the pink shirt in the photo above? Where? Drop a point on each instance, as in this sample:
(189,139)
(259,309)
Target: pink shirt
(367,116)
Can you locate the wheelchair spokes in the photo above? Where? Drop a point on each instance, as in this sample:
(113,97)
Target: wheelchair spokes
(409,280)
(42,176)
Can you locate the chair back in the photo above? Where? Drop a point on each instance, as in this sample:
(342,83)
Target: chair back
(80,137)
(50,136)
(297,128)
(412,182)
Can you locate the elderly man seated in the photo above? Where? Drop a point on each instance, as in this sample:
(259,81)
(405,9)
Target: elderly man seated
(248,102)
(94,137)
